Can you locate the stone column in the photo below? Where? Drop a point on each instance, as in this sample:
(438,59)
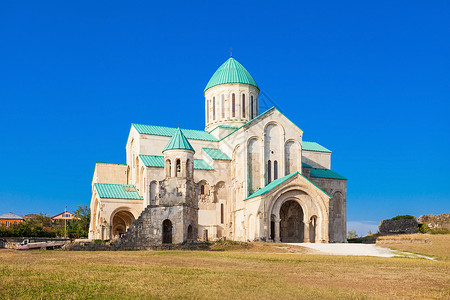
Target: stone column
(306,231)
(277,230)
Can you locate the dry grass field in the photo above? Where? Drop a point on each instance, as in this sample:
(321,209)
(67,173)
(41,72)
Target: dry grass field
(438,245)
(238,273)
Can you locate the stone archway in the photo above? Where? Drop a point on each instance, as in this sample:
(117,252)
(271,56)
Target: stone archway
(167,232)
(291,222)
(121,220)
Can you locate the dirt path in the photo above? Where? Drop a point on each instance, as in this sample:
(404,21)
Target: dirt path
(349,249)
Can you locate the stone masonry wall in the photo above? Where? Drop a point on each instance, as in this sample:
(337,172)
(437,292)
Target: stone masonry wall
(398,226)
(436,222)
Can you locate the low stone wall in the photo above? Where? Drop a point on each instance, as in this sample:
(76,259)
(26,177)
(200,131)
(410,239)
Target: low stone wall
(403,241)
(436,222)
(399,226)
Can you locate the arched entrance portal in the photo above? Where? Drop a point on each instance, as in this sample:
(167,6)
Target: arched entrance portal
(120,222)
(167,232)
(291,226)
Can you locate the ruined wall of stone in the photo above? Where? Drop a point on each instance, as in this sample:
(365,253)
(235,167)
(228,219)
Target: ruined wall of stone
(436,222)
(398,226)
(337,189)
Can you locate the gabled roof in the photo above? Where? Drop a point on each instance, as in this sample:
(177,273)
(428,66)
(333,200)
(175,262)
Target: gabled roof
(325,173)
(216,154)
(170,131)
(157,161)
(271,186)
(64,212)
(10,216)
(277,182)
(313,146)
(178,141)
(225,127)
(117,191)
(231,71)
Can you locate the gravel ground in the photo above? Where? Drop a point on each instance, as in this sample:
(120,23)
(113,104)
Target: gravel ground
(349,249)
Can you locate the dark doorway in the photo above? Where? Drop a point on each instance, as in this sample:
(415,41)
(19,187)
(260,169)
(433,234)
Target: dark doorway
(292,228)
(272,228)
(167,231)
(190,235)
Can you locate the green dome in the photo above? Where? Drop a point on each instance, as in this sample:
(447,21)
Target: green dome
(178,141)
(231,72)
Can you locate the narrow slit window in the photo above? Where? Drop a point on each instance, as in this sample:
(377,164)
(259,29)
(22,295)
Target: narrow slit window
(223,107)
(233,105)
(251,107)
(275,170)
(269,171)
(214,108)
(243,105)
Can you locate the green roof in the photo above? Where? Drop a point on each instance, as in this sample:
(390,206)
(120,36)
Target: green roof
(231,72)
(152,160)
(225,127)
(157,161)
(200,164)
(170,131)
(306,165)
(325,173)
(271,185)
(313,146)
(117,191)
(276,183)
(178,141)
(216,154)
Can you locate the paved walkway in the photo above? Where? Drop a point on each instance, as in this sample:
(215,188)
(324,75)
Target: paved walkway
(349,249)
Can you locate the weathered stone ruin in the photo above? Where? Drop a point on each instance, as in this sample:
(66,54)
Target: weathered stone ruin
(401,225)
(441,221)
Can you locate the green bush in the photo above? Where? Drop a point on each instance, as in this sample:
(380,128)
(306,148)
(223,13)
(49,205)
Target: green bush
(424,228)
(403,217)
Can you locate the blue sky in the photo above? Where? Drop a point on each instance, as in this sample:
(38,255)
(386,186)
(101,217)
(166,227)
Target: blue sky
(368,80)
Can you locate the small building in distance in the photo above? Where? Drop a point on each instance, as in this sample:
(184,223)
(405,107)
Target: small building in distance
(9,219)
(65,215)
(30,217)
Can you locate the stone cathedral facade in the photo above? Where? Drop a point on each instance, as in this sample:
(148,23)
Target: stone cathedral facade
(249,176)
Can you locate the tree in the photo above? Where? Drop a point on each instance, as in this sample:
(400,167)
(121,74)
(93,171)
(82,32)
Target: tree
(352,234)
(84,215)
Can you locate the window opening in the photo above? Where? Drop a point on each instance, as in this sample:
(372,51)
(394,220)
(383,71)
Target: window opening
(243,106)
(233,105)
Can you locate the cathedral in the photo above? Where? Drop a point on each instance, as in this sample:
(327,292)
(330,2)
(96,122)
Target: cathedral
(248,176)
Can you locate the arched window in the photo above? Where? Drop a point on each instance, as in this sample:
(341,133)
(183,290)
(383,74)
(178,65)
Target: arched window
(207,110)
(223,107)
(269,171)
(178,170)
(168,168)
(137,171)
(188,168)
(221,213)
(233,105)
(275,170)
(243,105)
(153,192)
(214,108)
(202,189)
